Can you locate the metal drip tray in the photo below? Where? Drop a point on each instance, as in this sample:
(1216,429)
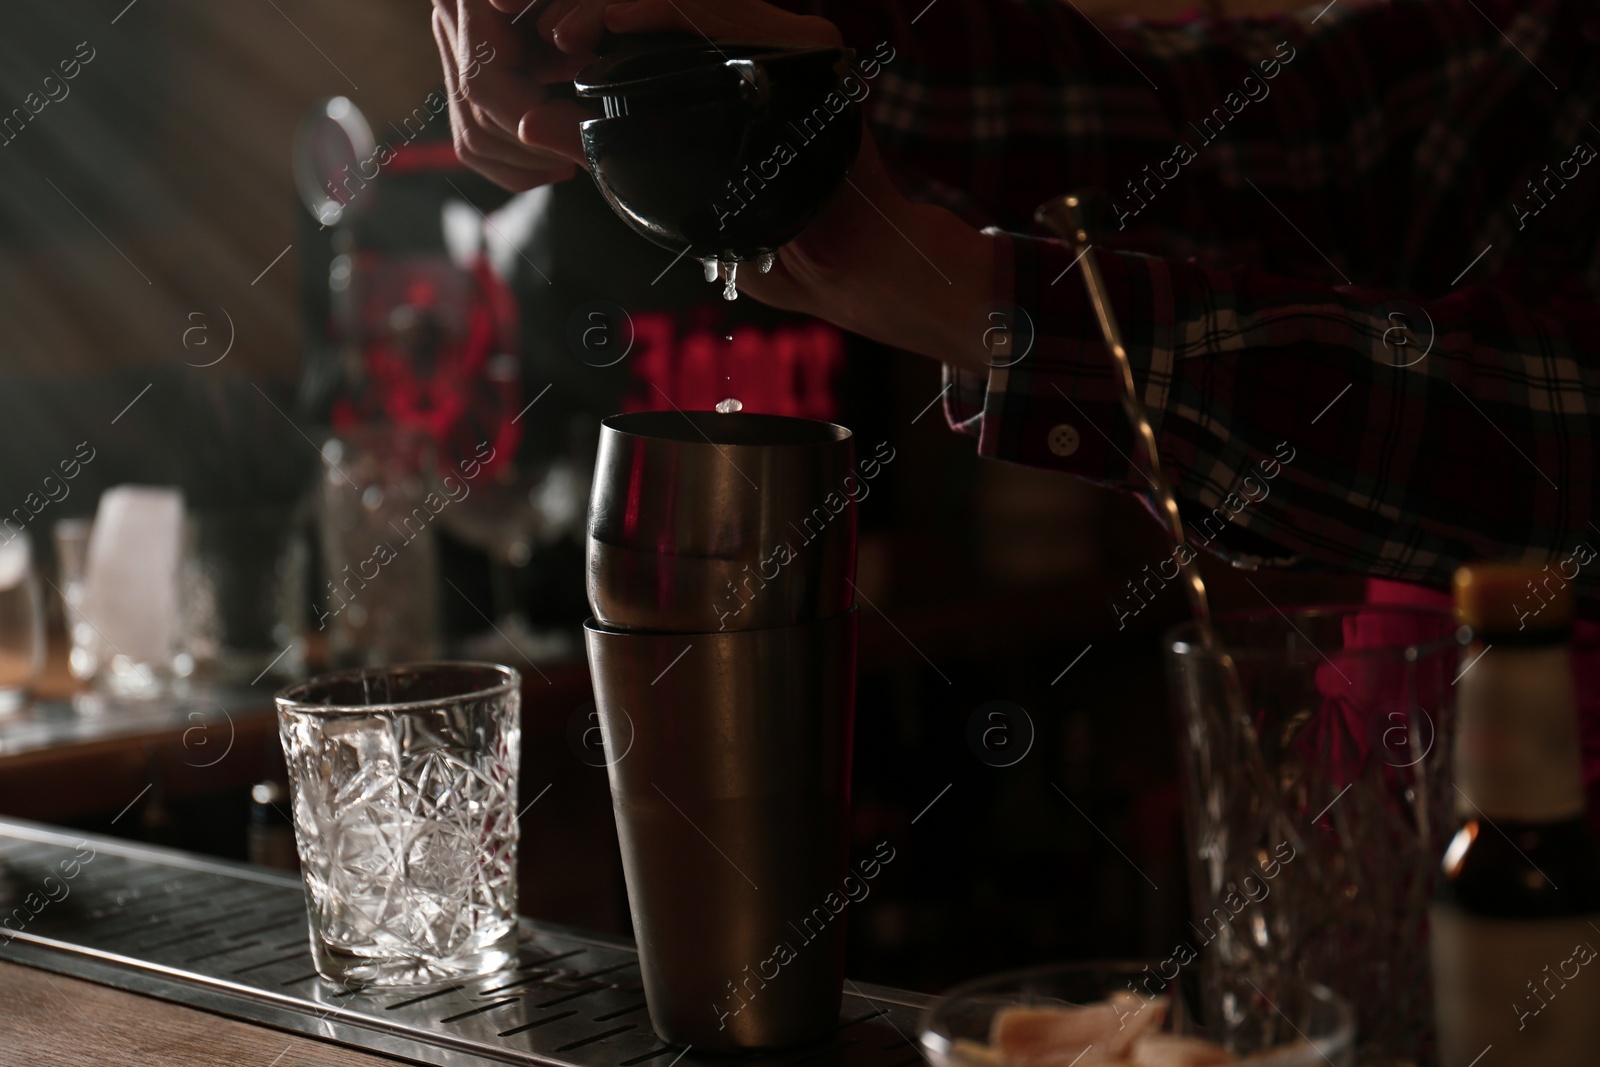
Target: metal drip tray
(232,939)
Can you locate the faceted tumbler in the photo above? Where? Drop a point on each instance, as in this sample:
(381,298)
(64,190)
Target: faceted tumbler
(1320,803)
(405,796)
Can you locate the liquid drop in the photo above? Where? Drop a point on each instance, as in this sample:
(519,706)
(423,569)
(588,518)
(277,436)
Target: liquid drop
(729,290)
(764,264)
(710,267)
(729,406)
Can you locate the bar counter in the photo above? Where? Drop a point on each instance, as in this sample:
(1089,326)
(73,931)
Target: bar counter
(115,951)
(60,1020)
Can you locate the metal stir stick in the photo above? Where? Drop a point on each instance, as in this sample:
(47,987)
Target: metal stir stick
(1068,217)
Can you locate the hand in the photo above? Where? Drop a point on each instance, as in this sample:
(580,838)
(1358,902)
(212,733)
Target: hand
(508,112)
(503,121)
(912,276)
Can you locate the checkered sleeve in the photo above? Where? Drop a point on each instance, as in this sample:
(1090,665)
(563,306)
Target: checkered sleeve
(1360,429)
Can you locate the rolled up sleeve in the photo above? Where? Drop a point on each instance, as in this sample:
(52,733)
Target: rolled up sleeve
(1394,446)
(1057,403)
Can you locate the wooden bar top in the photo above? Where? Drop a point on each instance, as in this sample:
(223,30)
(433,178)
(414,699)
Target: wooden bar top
(50,1020)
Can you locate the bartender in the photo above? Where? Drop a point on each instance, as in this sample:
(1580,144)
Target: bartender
(1356,245)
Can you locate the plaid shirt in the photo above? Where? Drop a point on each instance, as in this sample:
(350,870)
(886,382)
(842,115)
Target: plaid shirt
(1330,265)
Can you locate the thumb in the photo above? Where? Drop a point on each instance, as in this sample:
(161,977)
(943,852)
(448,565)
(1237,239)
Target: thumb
(646,16)
(579,32)
(554,127)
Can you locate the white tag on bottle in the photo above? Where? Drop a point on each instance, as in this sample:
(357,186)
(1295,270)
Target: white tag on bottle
(1526,989)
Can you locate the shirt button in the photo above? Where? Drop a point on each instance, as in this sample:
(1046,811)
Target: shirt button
(1063,440)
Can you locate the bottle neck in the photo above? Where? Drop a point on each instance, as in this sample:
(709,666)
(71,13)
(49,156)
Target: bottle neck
(1517,754)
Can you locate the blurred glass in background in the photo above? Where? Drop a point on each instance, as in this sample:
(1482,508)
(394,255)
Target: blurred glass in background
(380,557)
(241,594)
(21,623)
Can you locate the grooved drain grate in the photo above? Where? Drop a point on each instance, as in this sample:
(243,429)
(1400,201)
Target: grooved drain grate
(232,939)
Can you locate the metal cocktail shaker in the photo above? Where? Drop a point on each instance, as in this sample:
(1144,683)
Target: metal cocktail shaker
(703,521)
(728,748)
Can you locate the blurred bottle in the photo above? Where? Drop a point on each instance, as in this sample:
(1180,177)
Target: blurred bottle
(271,834)
(21,623)
(1515,926)
(72,565)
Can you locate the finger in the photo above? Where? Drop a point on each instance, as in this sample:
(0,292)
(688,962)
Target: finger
(552,14)
(475,141)
(488,146)
(503,117)
(474,144)
(496,155)
(444,36)
(579,30)
(489,59)
(645,16)
(537,96)
(478,142)
(490,143)
(484,150)
(554,128)
(463,116)
(555,67)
